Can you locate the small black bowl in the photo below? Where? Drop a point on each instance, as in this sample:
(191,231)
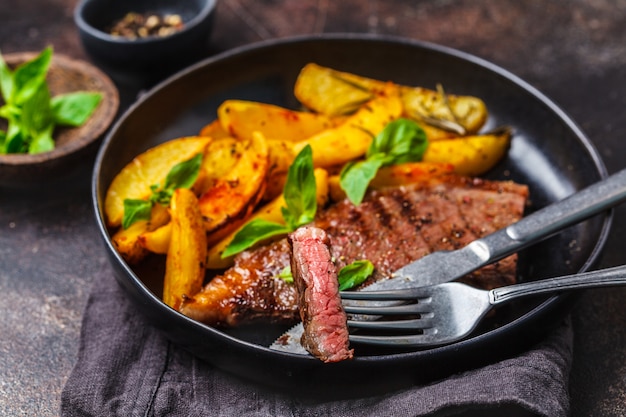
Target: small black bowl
(144,60)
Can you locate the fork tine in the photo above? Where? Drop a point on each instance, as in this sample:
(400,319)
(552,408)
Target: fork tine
(411,324)
(428,338)
(413,308)
(400,294)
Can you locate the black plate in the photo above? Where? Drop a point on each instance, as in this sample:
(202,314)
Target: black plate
(549,153)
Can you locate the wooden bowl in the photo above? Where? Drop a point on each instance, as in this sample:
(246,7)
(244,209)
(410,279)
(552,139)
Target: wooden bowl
(73,146)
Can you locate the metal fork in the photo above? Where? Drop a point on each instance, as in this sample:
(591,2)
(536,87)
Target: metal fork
(444,313)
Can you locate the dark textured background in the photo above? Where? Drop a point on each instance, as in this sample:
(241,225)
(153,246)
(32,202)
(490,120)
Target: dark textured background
(574,51)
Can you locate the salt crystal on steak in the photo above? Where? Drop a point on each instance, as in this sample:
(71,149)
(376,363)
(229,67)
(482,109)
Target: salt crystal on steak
(315,275)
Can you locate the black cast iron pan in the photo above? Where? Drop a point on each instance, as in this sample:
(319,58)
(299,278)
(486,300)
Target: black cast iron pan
(549,153)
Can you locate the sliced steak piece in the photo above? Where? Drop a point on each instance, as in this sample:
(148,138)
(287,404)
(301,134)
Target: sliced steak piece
(248,291)
(315,276)
(391,227)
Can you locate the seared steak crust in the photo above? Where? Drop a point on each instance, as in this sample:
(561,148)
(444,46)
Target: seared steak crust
(315,276)
(248,291)
(390,228)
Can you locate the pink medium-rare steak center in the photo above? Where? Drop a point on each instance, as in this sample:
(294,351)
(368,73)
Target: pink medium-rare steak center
(315,276)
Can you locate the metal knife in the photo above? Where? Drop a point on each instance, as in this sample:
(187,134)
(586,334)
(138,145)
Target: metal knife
(444,266)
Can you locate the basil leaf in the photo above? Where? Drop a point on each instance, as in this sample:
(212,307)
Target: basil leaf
(42,141)
(36,113)
(401,141)
(184,174)
(29,107)
(6,80)
(162,197)
(135,210)
(15,142)
(252,233)
(74,109)
(9,111)
(354,274)
(300,190)
(28,77)
(356,176)
(3,139)
(286,275)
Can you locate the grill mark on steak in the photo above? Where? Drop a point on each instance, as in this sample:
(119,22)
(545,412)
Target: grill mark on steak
(356,233)
(324,320)
(409,238)
(443,213)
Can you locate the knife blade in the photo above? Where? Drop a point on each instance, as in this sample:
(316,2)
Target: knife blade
(444,266)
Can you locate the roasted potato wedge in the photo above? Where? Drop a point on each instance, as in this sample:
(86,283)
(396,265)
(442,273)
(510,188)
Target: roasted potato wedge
(214,130)
(394,175)
(470,155)
(352,139)
(128,241)
(220,157)
(184,265)
(281,155)
(272,212)
(234,196)
(150,167)
(156,241)
(242,118)
(323,91)
(443,114)
(333,92)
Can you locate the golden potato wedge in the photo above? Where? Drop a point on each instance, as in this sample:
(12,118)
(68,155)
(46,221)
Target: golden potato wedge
(352,139)
(323,91)
(272,212)
(333,92)
(242,118)
(442,114)
(280,154)
(184,265)
(470,155)
(150,167)
(128,241)
(393,176)
(156,241)
(234,196)
(220,157)
(214,130)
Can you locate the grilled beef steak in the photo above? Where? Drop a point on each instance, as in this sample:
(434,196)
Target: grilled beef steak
(315,276)
(248,291)
(391,227)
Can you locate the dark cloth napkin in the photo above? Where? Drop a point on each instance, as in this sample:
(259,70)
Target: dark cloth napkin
(126,368)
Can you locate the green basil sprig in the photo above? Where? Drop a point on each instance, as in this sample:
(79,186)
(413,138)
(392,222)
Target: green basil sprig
(300,193)
(349,276)
(401,141)
(31,112)
(182,175)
